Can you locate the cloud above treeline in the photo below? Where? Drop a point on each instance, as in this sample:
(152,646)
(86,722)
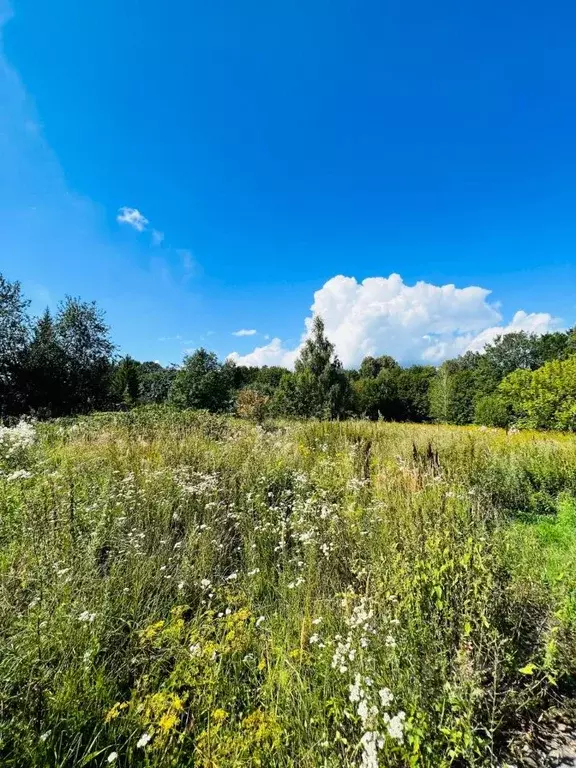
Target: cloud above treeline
(421,323)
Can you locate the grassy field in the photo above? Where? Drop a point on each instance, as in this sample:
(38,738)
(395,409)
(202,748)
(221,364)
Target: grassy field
(179,589)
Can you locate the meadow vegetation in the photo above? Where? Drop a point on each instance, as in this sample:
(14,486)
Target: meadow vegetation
(179,588)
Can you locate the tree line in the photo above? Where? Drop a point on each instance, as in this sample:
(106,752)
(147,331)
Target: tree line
(65,363)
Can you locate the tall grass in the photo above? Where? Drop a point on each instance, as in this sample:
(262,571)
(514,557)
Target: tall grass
(182,589)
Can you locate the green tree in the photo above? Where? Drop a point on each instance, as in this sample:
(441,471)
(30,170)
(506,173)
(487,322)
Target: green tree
(371,367)
(492,411)
(523,350)
(268,379)
(43,372)
(83,336)
(366,397)
(413,392)
(14,338)
(203,382)
(452,393)
(545,398)
(154,382)
(126,382)
(554,346)
(321,388)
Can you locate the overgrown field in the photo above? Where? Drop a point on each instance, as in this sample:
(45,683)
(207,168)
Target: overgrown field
(179,589)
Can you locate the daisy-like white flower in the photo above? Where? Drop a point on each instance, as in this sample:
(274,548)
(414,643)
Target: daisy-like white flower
(395,726)
(112,757)
(386,696)
(143,740)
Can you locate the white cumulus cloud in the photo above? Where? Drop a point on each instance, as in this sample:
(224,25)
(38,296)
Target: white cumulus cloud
(133,217)
(273,353)
(244,332)
(414,323)
(533,322)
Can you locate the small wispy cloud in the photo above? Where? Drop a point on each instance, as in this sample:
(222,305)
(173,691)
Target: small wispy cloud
(186,260)
(245,332)
(182,259)
(133,217)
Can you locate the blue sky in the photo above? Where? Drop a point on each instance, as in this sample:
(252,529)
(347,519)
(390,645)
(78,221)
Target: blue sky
(277,146)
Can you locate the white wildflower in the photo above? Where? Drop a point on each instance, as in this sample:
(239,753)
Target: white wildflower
(363,710)
(143,740)
(395,726)
(356,689)
(19,437)
(112,757)
(386,696)
(371,742)
(20,474)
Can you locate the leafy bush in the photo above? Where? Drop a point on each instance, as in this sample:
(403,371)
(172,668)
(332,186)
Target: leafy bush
(252,405)
(491,411)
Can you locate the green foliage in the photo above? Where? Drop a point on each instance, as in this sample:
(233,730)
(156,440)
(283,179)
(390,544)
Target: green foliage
(62,366)
(452,393)
(366,397)
(14,335)
(492,411)
(413,393)
(182,588)
(512,351)
(40,380)
(203,382)
(319,388)
(372,366)
(83,337)
(544,398)
(154,383)
(126,382)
